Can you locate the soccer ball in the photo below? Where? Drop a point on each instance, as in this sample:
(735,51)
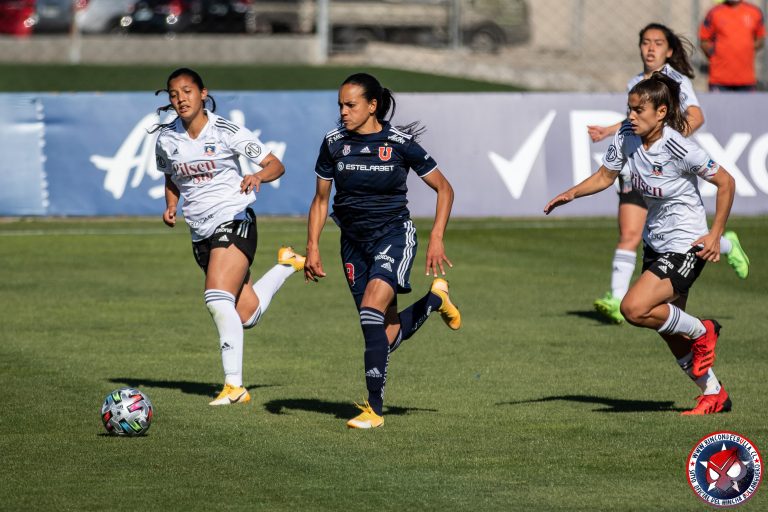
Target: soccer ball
(126,412)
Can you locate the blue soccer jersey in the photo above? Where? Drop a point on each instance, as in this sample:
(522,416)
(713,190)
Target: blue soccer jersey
(370,173)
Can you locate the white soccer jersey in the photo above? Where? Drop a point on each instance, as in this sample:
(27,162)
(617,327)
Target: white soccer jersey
(666,174)
(687,95)
(207,172)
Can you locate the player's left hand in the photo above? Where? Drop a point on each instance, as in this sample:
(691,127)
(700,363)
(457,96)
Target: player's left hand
(710,247)
(250,182)
(436,257)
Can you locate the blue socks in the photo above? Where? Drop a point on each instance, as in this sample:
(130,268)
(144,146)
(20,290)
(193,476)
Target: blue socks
(376,356)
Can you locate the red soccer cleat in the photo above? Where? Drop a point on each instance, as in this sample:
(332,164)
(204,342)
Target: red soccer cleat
(711,404)
(703,348)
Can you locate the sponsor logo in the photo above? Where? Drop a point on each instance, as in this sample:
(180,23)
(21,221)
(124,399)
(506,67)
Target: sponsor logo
(223,238)
(161,163)
(364,167)
(656,170)
(384,256)
(349,270)
(387,266)
(610,155)
(175,151)
(225,346)
(642,186)
(396,138)
(365,150)
(712,165)
(664,268)
(385,153)
(209,149)
(695,169)
(346,150)
(724,469)
(335,137)
(374,373)
(193,168)
(252,150)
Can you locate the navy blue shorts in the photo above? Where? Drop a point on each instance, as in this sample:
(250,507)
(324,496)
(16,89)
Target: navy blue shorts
(389,258)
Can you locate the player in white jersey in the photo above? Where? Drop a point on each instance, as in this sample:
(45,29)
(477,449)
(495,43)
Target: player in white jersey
(660,50)
(664,167)
(199,153)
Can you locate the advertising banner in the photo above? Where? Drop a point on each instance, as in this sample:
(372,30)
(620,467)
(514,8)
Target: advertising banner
(506,154)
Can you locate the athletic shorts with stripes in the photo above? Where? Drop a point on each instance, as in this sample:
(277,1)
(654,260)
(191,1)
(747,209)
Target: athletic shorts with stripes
(681,268)
(241,231)
(389,258)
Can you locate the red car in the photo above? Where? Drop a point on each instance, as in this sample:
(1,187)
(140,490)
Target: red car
(17,17)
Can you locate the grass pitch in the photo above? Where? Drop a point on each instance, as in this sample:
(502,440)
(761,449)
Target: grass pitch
(535,404)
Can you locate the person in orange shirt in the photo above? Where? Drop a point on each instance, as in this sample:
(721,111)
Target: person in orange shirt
(730,35)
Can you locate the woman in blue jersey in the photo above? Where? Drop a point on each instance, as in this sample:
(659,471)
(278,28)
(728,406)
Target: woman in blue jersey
(664,166)
(199,153)
(660,50)
(368,159)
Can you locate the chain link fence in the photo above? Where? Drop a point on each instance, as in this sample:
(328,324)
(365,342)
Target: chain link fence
(559,45)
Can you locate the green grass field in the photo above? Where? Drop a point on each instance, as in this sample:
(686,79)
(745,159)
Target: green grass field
(535,404)
(64,78)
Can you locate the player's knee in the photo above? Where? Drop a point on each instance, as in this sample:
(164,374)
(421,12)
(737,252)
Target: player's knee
(633,312)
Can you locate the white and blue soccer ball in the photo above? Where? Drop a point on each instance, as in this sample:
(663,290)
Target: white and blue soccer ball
(127,412)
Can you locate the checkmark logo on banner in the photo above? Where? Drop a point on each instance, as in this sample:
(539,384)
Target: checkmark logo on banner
(515,171)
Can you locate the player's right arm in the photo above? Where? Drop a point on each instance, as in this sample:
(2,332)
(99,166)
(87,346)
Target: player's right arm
(598,182)
(171,201)
(318,213)
(171,190)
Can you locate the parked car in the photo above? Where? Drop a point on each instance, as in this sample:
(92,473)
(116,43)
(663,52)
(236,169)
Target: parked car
(17,17)
(52,16)
(102,16)
(163,16)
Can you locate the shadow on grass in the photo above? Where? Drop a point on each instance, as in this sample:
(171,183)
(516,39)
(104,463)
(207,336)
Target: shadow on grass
(185,386)
(340,410)
(591,315)
(609,404)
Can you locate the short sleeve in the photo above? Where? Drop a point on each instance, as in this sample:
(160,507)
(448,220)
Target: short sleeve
(324,166)
(614,158)
(244,142)
(687,94)
(697,161)
(706,29)
(161,158)
(759,25)
(418,159)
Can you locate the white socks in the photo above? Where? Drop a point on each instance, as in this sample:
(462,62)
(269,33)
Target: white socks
(708,383)
(623,268)
(680,322)
(221,305)
(725,245)
(266,288)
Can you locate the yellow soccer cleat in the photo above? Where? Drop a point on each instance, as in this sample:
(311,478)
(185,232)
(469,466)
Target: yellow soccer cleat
(286,256)
(448,311)
(366,419)
(231,395)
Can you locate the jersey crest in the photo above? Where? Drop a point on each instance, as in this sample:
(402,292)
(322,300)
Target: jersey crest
(385,153)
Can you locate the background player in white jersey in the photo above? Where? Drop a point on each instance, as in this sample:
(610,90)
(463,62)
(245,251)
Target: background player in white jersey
(664,166)
(199,154)
(369,160)
(660,50)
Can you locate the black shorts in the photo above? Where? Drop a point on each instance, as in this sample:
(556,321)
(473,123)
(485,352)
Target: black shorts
(241,232)
(681,268)
(632,197)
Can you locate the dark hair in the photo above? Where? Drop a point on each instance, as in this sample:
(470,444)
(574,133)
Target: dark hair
(385,101)
(681,48)
(195,76)
(660,90)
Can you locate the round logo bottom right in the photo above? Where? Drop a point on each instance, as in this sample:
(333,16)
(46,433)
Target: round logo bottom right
(724,469)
